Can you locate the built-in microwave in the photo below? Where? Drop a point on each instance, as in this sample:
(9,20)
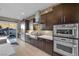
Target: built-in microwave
(67,30)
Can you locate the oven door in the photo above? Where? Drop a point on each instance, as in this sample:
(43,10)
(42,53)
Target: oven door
(65,48)
(66,32)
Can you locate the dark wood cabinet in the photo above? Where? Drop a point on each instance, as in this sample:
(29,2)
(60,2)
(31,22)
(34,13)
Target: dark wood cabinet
(40,44)
(27,39)
(49,46)
(46,19)
(43,19)
(46,45)
(49,18)
(31,41)
(58,14)
(43,44)
(74,12)
(65,13)
(61,14)
(69,11)
(53,17)
(27,24)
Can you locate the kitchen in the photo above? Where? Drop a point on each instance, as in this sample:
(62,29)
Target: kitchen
(39,29)
(52,30)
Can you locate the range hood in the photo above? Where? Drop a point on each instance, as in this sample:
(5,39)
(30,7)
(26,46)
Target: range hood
(37,21)
(37,17)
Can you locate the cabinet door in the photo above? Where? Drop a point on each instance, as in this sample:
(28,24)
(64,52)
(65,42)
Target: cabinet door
(50,18)
(69,11)
(43,19)
(28,39)
(76,15)
(31,41)
(49,47)
(27,24)
(50,21)
(40,43)
(58,14)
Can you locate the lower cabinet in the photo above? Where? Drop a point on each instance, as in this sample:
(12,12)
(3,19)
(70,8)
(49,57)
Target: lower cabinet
(40,44)
(49,46)
(27,39)
(33,41)
(43,44)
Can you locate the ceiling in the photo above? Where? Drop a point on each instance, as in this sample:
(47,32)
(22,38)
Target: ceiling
(21,10)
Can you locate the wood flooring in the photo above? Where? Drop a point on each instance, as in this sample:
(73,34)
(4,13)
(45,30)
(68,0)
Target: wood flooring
(25,49)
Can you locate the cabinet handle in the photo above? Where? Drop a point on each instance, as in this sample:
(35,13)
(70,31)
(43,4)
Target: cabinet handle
(63,39)
(64,18)
(61,19)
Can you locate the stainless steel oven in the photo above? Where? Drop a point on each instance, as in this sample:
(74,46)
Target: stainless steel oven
(64,46)
(66,39)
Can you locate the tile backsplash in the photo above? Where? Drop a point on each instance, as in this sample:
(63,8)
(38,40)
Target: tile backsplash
(46,32)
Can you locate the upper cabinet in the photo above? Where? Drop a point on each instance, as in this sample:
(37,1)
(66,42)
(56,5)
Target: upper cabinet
(61,14)
(27,24)
(69,11)
(65,13)
(73,13)
(50,18)
(58,14)
(49,21)
(43,19)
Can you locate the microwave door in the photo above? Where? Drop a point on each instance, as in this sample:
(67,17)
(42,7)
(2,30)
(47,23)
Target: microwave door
(65,32)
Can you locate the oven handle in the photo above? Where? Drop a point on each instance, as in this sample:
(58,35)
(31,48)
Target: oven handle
(74,46)
(63,39)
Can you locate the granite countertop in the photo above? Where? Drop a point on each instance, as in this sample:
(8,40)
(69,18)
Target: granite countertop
(27,34)
(46,37)
(31,36)
(41,36)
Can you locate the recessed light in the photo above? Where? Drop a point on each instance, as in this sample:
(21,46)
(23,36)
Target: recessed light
(22,13)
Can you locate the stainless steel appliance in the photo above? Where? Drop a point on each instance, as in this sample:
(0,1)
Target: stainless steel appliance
(66,30)
(22,33)
(66,39)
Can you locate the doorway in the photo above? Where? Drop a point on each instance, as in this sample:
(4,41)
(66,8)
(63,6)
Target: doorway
(9,30)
